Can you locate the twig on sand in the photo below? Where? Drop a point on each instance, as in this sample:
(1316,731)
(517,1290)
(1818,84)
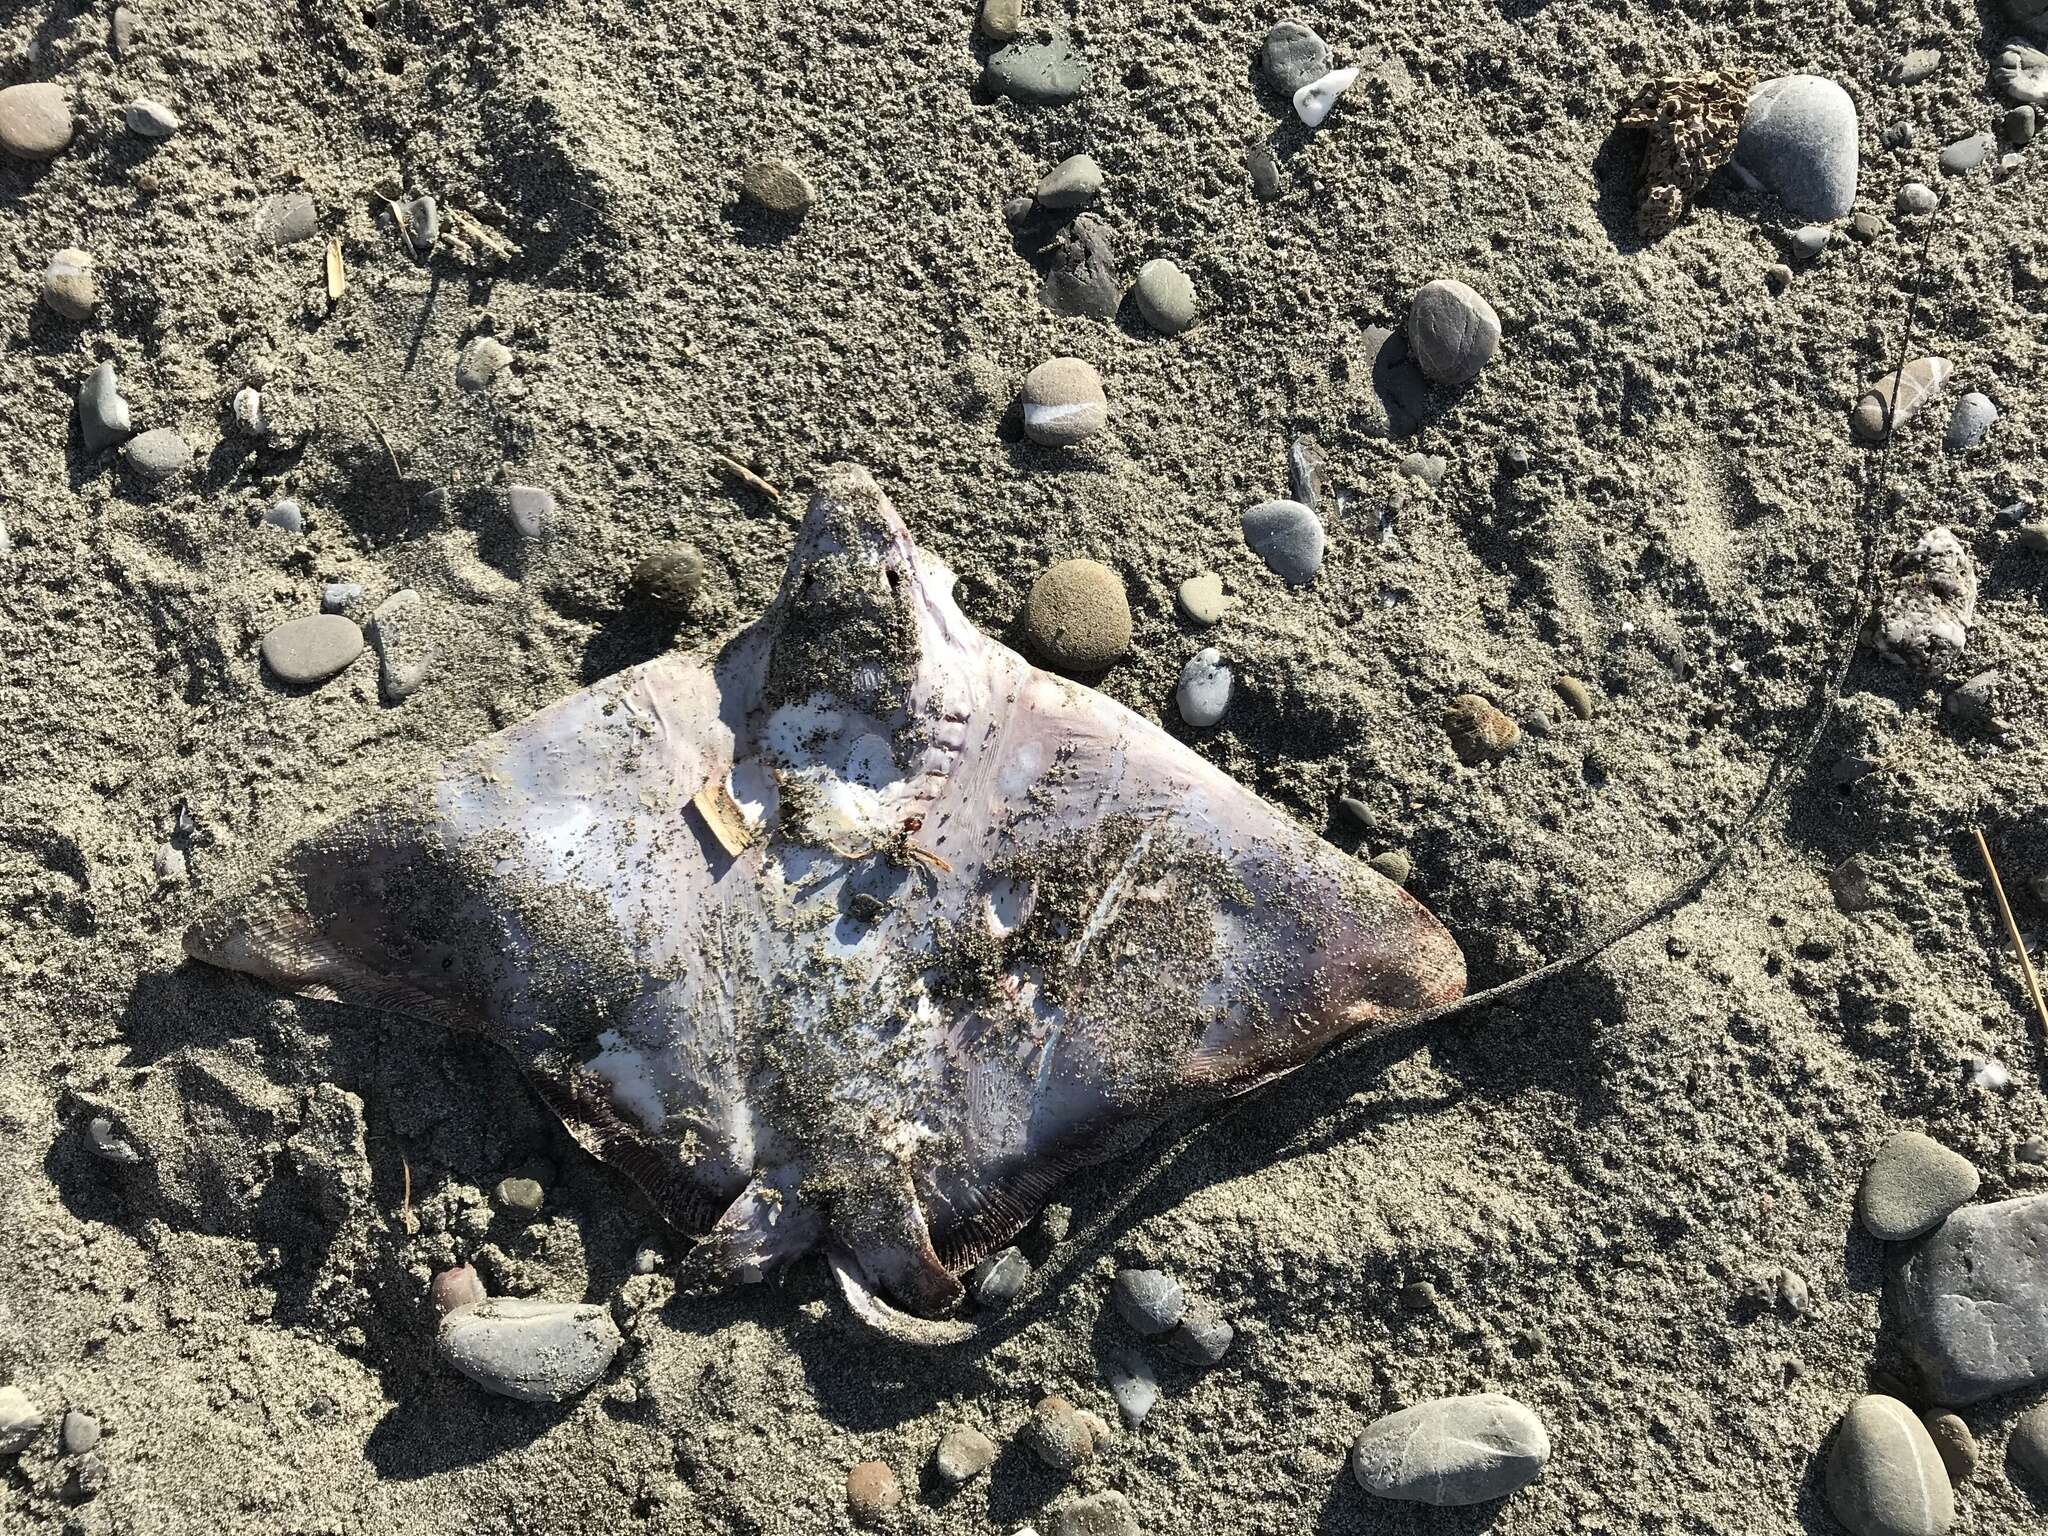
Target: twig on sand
(405,1216)
(2012,929)
(397,474)
(747,477)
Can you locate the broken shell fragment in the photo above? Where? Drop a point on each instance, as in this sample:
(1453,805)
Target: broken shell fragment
(1925,618)
(1316,100)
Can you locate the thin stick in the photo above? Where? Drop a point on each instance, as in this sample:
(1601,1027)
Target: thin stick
(2012,929)
(396,473)
(405,1217)
(747,477)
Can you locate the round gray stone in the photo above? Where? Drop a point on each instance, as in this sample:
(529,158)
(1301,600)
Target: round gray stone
(1911,1186)
(149,119)
(1203,693)
(533,510)
(999,1279)
(1917,199)
(1798,137)
(35,121)
(963,1454)
(1288,537)
(312,649)
(1037,74)
(2027,1451)
(777,186)
(78,1432)
(1452,331)
(1809,240)
(1972,418)
(288,218)
(1074,183)
(535,1351)
(158,454)
(1884,1475)
(1293,56)
(1166,297)
(1452,1451)
(1965,155)
(1149,1300)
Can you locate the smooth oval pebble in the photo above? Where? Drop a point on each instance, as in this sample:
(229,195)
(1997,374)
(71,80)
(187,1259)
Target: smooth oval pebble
(1001,20)
(1906,391)
(1037,74)
(777,186)
(1203,693)
(35,121)
(1452,331)
(1293,56)
(1149,1300)
(963,1454)
(1809,240)
(1202,598)
(102,414)
(1288,537)
(1884,1475)
(1973,416)
(872,1492)
(150,119)
(1063,402)
(1073,183)
(1954,1443)
(2027,1450)
(312,649)
(68,284)
(158,454)
(1918,65)
(19,1420)
(78,1432)
(1318,99)
(1095,1514)
(1798,137)
(999,1278)
(286,515)
(1452,1451)
(535,1351)
(1166,297)
(1965,155)
(396,629)
(1916,198)
(1077,616)
(532,509)
(1911,1186)
(457,1287)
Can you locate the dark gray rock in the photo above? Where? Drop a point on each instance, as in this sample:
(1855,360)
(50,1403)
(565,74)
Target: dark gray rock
(1081,276)
(1452,1451)
(1204,1336)
(1149,1300)
(1037,74)
(999,1279)
(535,1351)
(1798,138)
(1452,331)
(1911,1185)
(1973,1301)
(1293,56)
(1965,155)
(1288,537)
(2027,1451)
(1264,171)
(1884,1476)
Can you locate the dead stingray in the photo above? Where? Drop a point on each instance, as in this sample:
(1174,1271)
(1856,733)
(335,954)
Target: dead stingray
(858,934)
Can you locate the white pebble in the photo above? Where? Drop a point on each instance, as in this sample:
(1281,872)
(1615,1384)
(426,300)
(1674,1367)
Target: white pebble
(1988,1073)
(249,414)
(1916,197)
(1314,101)
(1204,691)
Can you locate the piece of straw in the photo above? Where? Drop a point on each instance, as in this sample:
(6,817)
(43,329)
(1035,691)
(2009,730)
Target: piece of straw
(2012,929)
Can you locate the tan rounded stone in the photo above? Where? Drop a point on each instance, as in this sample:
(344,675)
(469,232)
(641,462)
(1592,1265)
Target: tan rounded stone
(1063,402)
(68,285)
(872,1492)
(1077,616)
(777,186)
(35,121)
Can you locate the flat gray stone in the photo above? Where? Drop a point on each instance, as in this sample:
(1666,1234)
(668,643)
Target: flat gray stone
(1911,1185)
(1165,296)
(1037,74)
(69,287)
(1204,1336)
(398,630)
(1918,65)
(102,414)
(1149,1300)
(35,121)
(2021,75)
(1081,275)
(303,652)
(533,510)
(1293,56)
(1452,331)
(1973,1301)
(1798,137)
(1452,1451)
(963,1454)
(158,454)
(1965,155)
(1074,183)
(1133,1384)
(1884,1476)
(1288,537)
(150,119)
(535,1351)
(1973,416)
(288,218)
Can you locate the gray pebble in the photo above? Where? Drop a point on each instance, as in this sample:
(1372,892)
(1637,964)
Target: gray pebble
(1074,183)
(1133,1384)
(1081,276)
(532,509)
(79,1432)
(1094,1514)
(1911,1185)
(1037,74)
(422,222)
(121,34)
(1204,690)
(2021,75)
(481,362)
(1452,331)
(150,119)
(1974,703)
(398,630)
(1897,135)
(1884,1475)
(1264,171)
(1972,418)
(1063,402)
(1165,296)
(1452,1451)
(1001,20)
(1918,65)
(1966,155)
(962,1454)
(999,1279)
(1974,1301)
(1866,227)
(1288,537)
(340,596)
(1798,137)
(158,454)
(1809,240)
(108,1144)
(1917,199)
(309,650)
(523,1195)
(2018,126)
(102,413)
(1954,1443)
(1429,468)
(535,1351)
(69,287)
(19,1420)
(288,218)
(286,515)
(777,186)
(1204,1336)
(1293,56)
(1394,864)
(2027,1451)
(1149,1300)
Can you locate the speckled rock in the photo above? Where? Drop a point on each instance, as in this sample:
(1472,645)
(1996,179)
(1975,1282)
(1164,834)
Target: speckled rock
(398,631)
(1911,1186)
(1479,732)
(482,362)
(303,652)
(776,186)
(1906,391)
(1081,272)
(1165,297)
(2026,1453)
(1973,417)
(1150,1301)
(150,119)
(1095,1514)
(1973,1299)
(1037,74)
(1058,1434)
(35,121)
(962,1454)
(1452,332)
(1063,402)
(157,455)
(1929,604)
(1916,199)
(69,286)
(1001,20)
(1293,56)
(1884,1476)
(535,1351)
(1954,1443)
(1203,1337)
(1077,616)
(1452,1451)
(1288,537)
(670,575)
(1799,138)
(872,1492)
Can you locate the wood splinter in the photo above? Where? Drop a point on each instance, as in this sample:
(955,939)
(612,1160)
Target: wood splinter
(747,477)
(2031,980)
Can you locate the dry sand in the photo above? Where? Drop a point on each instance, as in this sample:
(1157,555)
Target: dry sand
(1600,1182)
